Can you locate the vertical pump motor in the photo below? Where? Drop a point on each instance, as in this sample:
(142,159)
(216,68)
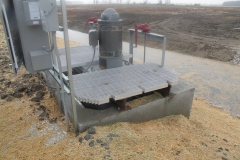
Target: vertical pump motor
(110,39)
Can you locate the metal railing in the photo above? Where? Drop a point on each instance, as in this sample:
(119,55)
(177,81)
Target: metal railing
(69,66)
(146,36)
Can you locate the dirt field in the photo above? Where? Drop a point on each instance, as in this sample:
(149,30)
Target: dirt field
(199,31)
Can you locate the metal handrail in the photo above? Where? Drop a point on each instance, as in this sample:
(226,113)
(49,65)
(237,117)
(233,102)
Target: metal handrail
(146,36)
(69,64)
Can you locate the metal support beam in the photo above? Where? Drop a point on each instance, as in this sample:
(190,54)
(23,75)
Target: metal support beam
(131,47)
(65,78)
(69,66)
(163,50)
(145,40)
(165,91)
(58,81)
(61,80)
(58,96)
(121,104)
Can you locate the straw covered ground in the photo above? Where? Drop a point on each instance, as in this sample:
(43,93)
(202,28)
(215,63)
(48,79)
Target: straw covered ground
(31,127)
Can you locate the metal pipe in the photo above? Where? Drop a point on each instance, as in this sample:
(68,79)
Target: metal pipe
(58,95)
(61,80)
(39,77)
(51,72)
(10,38)
(91,61)
(163,51)
(49,89)
(131,46)
(50,36)
(150,36)
(51,44)
(69,66)
(65,78)
(144,58)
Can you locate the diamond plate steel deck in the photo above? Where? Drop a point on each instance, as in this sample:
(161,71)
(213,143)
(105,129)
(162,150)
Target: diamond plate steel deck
(123,82)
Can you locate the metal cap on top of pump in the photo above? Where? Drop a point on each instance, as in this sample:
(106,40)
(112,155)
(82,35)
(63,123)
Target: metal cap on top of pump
(110,14)
(110,17)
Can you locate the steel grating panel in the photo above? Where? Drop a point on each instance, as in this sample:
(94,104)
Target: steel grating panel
(123,82)
(80,56)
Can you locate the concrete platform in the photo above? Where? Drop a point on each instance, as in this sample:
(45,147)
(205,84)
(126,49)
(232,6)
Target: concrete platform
(179,102)
(80,56)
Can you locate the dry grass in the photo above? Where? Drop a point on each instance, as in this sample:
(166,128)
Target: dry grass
(173,137)
(144,100)
(210,133)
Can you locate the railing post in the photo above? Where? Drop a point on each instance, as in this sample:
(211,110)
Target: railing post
(163,51)
(69,66)
(131,46)
(144,54)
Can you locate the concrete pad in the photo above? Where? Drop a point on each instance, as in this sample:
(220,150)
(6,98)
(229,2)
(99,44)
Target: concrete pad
(80,56)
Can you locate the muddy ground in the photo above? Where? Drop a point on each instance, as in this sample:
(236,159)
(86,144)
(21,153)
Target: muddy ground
(199,31)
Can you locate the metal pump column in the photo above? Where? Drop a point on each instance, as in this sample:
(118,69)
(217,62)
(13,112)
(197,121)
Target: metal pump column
(110,40)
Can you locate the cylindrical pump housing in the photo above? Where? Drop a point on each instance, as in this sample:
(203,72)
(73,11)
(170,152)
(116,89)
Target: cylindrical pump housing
(110,40)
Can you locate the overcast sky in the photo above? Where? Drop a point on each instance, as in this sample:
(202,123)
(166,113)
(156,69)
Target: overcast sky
(172,1)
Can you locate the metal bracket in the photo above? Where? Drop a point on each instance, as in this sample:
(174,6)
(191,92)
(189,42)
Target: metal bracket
(61,28)
(58,81)
(121,104)
(165,91)
(65,78)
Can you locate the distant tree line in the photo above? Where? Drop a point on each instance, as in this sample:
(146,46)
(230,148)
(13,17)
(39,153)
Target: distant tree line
(231,3)
(127,2)
(109,1)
